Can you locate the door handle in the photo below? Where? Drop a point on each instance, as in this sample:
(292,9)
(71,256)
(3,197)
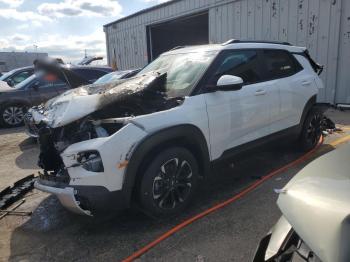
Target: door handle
(260,92)
(306,83)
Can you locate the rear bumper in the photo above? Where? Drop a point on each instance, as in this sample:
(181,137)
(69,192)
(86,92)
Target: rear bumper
(66,196)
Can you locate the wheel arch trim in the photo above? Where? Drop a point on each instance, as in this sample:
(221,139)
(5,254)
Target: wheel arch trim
(183,132)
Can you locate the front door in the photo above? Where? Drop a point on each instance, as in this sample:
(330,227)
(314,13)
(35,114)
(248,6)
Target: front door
(238,117)
(41,91)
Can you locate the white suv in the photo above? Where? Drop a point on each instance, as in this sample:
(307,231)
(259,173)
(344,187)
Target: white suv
(148,139)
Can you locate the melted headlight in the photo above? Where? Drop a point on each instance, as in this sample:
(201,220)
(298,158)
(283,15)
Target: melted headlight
(91,161)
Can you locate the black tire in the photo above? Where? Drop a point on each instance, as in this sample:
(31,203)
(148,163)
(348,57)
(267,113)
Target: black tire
(16,119)
(166,189)
(311,132)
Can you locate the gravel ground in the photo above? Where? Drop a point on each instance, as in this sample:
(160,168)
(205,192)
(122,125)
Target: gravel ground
(18,156)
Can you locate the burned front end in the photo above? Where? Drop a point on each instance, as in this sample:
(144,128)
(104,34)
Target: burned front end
(86,136)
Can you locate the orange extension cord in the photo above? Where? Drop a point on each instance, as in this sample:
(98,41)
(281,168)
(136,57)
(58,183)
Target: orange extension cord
(250,188)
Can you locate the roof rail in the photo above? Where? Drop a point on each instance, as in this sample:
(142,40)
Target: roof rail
(237,41)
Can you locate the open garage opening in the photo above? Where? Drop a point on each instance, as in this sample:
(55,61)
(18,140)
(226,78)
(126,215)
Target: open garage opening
(189,30)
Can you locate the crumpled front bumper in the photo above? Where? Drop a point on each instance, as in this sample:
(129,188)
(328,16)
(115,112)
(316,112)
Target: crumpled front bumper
(66,196)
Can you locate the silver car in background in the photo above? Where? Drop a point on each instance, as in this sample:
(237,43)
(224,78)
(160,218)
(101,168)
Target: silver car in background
(315,225)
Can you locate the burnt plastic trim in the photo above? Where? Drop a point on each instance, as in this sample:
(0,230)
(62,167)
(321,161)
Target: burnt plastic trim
(187,133)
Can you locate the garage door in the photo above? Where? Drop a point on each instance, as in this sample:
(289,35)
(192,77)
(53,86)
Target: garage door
(190,30)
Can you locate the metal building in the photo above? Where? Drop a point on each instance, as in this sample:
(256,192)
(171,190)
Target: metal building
(12,60)
(323,26)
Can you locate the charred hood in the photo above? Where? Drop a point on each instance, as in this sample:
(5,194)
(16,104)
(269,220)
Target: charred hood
(135,96)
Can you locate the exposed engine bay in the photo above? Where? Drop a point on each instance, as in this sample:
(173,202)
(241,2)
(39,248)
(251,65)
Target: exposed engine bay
(94,111)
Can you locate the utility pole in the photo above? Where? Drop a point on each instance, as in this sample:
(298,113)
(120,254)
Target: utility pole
(36,50)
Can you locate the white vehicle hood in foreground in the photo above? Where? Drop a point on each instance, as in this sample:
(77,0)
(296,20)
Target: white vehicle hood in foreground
(317,204)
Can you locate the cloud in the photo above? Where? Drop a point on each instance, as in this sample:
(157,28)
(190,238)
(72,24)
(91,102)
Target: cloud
(101,8)
(12,3)
(28,16)
(70,50)
(19,38)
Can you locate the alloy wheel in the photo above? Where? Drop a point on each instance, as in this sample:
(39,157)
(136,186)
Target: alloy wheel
(313,131)
(13,115)
(172,185)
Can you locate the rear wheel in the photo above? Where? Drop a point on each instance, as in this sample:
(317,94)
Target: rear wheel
(169,182)
(12,115)
(311,132)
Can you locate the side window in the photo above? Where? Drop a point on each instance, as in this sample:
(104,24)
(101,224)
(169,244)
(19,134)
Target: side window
(18,78)
(90,74)
(241,63)
(49,81)
(279,64)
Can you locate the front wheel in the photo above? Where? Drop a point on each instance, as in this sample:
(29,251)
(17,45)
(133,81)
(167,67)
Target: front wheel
(311,132)
(12,115)
(169,182)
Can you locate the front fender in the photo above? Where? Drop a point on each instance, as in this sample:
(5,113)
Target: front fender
(190,133)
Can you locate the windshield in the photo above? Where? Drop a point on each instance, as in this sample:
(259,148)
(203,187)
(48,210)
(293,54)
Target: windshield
(6,75)
(183,70)
(109,77)
(26,82)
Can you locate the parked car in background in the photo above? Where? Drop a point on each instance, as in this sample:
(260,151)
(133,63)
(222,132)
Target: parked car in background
(151,137)
(88,60)
(40,87)
(16,76)
(116,76)
(315,225)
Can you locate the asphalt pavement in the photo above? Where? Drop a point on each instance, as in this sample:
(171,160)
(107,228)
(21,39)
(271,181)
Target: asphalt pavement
(229,234)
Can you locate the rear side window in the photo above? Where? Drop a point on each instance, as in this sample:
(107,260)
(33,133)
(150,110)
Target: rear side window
(18,78)
(241,63)
(279,64)
(90,74)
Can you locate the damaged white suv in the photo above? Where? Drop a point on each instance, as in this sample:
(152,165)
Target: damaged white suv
(148,139)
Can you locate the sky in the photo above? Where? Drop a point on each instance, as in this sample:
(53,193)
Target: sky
(62,28)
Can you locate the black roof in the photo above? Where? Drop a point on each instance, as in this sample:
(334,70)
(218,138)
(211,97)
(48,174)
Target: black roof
(142,11)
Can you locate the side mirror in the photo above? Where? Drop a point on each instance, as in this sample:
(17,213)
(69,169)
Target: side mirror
(10,82)
(36,86)
(229,83)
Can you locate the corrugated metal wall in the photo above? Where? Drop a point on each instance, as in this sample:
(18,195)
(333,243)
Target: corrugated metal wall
(323,26)
(343,74)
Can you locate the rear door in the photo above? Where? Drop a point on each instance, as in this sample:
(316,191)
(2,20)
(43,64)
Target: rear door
(238,117)
(41,91)
(60,86)
(284,71)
